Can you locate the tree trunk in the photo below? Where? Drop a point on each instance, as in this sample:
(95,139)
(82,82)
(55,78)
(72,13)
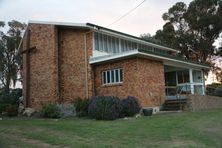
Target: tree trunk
(7,85)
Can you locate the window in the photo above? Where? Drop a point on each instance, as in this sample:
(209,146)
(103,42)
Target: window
(183,76)
(112,76)
(170,79)
(106,43)
(197,76)
(198,89)
(112,44)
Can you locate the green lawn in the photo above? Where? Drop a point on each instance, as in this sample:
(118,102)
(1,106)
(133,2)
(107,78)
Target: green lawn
(199,129)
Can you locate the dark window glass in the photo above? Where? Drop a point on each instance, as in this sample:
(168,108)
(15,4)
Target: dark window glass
(183,76)
(112,76)
(121,75)
(117,75)
(108,76)
(104,77)
(96,41)
(170,79)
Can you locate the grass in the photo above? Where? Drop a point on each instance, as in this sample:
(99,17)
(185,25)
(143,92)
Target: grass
(186,129)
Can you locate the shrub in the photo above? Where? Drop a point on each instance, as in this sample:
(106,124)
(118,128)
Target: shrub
(81,106)
(218,91)
(105,108)
(11,110)
(51,111)
(2,107)
(214,89)
(131,106)
(10,98)
(67,110)
(9,101)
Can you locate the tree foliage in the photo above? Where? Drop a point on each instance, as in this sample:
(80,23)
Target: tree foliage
(192,29)
(10,60)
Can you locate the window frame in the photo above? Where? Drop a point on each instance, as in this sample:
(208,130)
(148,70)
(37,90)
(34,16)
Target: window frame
(113,79)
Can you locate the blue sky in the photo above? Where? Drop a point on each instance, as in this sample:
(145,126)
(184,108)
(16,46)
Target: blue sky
(145,19)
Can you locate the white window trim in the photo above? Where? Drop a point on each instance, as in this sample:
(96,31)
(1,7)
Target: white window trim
(110,76)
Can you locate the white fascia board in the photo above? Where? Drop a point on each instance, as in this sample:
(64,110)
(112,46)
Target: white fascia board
(137,40)
(58,23)
(113,57)
(174,62)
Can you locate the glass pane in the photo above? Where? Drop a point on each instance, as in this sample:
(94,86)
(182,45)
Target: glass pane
(183,76)
(113,44)
(130,45)
(198,89)
(96,41)
(122,45)
(117,75)
(134,46)
(112,76)
(127,45)
(108,76)
(105,43)
(104,77)
(121,75)
(100,42)
(197,77)
(170,79)
(117,45)
(109,43)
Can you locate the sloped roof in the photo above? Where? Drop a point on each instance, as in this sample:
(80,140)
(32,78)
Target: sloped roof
(166,59)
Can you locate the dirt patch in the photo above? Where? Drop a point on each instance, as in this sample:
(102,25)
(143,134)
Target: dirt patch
(35,143)
(180,143)
(213,131)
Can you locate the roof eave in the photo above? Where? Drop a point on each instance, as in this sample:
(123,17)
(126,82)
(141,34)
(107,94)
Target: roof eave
(59,23)
(147,55)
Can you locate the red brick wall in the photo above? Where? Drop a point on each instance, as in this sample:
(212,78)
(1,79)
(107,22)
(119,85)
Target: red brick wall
(42,65)
(72,63)
(142,78)
(56,48)
(150,82)
(203,103)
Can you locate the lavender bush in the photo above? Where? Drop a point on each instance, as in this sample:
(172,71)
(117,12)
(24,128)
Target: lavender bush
(105,108)
(130,106)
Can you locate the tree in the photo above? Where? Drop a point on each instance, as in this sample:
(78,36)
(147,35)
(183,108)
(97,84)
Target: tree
(193,29)
(10,60)
(146,36)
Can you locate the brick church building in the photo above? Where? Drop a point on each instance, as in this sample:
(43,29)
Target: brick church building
(63,61)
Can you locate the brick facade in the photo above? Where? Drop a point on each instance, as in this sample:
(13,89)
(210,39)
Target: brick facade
(142,78)
(72,63)
(58,70)
(203,103)
(39,65)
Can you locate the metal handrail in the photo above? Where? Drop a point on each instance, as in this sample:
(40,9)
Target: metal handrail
(179,95)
